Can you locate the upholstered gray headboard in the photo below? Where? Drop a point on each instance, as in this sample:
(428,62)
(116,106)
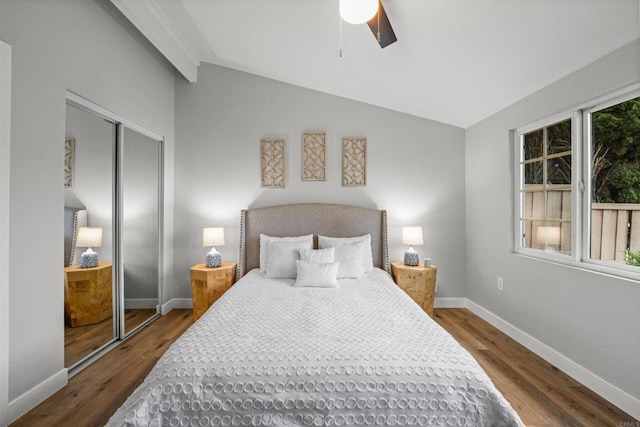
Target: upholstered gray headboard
(311,218)
(74,218)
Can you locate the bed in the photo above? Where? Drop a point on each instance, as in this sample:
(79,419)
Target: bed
(271,353)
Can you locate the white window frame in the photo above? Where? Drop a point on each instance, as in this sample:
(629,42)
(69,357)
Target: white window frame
(580,183)
(518,180)
(625,270)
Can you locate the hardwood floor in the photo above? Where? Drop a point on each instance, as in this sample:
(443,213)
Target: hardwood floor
(134,317)
(81,341)
(94,394)
(539,392)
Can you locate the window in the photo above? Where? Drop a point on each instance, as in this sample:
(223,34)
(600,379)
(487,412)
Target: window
(578,187)
(613,137)
(546,190)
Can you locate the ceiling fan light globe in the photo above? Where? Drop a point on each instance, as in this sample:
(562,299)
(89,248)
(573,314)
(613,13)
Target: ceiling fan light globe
(358,11)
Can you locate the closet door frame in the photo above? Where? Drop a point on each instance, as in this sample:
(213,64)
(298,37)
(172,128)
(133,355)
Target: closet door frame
(118,223)
(121,122)
(89,107)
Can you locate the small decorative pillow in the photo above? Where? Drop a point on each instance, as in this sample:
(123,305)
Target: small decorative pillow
(317,256)
(282,258)
(349,256)
(367,256)
(264,246)
(322,275)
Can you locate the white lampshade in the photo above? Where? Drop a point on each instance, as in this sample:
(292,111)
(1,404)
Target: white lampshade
(412,236)
(89,237)
(549,235)
(213,236)
(358,11)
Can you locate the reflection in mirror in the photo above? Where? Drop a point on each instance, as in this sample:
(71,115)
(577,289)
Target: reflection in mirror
(88,193)
(140,226)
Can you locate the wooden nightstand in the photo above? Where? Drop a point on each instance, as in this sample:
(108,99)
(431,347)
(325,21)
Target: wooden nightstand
(208,284)
(87,294)
(419,282)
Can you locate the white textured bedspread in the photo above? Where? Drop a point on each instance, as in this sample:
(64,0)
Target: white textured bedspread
(267,353)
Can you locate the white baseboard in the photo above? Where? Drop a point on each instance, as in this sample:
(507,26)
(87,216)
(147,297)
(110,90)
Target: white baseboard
(613,394)
(140,303)
(178,303)
(36,395)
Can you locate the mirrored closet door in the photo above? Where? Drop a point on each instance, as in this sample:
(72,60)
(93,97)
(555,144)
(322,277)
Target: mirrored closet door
(113,229)
(89,292)
(140,166)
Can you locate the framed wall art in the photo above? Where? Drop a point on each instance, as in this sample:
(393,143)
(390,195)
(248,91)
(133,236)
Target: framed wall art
(69,158)
(273,162)
(354,161)
(314,155)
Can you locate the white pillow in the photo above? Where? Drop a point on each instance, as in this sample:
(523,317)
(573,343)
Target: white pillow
(349,256)
(367,256)
(317,256)
(282,258)
(264,246)
(318,275)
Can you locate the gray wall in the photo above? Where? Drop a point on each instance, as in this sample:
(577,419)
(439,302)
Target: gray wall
(415,168)
(89,48)
(5,114)
(591,318)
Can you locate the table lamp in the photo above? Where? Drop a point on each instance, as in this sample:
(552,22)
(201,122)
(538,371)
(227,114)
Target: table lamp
(213,237)
(411,236)
(89,237)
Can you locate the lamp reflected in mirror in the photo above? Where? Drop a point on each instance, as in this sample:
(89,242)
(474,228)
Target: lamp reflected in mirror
(548,236)
(89,237)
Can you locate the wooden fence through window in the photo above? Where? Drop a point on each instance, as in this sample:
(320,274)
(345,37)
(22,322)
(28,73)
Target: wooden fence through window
(614,226)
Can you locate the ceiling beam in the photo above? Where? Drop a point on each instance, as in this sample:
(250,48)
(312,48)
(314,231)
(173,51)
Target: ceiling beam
(149,18)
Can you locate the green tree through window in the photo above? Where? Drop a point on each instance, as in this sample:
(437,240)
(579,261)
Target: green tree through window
(616,153)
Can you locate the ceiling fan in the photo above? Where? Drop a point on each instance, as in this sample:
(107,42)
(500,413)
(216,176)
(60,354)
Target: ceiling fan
(381,27)
(373,13)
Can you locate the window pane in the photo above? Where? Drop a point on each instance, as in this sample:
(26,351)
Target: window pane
(616,153)
(530,238)
(548,235)
(615,183)
(533,217)
(566,238)
(559,204)
(533,144)
(533,173)
(546,219)
(559,170)
(559,138)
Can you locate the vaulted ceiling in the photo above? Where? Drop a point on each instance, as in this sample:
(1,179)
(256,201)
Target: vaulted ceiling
(456,61)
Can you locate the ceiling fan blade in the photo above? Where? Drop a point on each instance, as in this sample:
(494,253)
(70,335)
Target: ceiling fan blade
(387,35)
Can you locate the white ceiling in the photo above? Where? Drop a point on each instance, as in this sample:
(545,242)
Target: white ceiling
(456,61)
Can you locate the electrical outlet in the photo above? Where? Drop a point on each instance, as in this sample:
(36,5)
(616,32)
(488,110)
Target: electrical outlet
(501,284)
